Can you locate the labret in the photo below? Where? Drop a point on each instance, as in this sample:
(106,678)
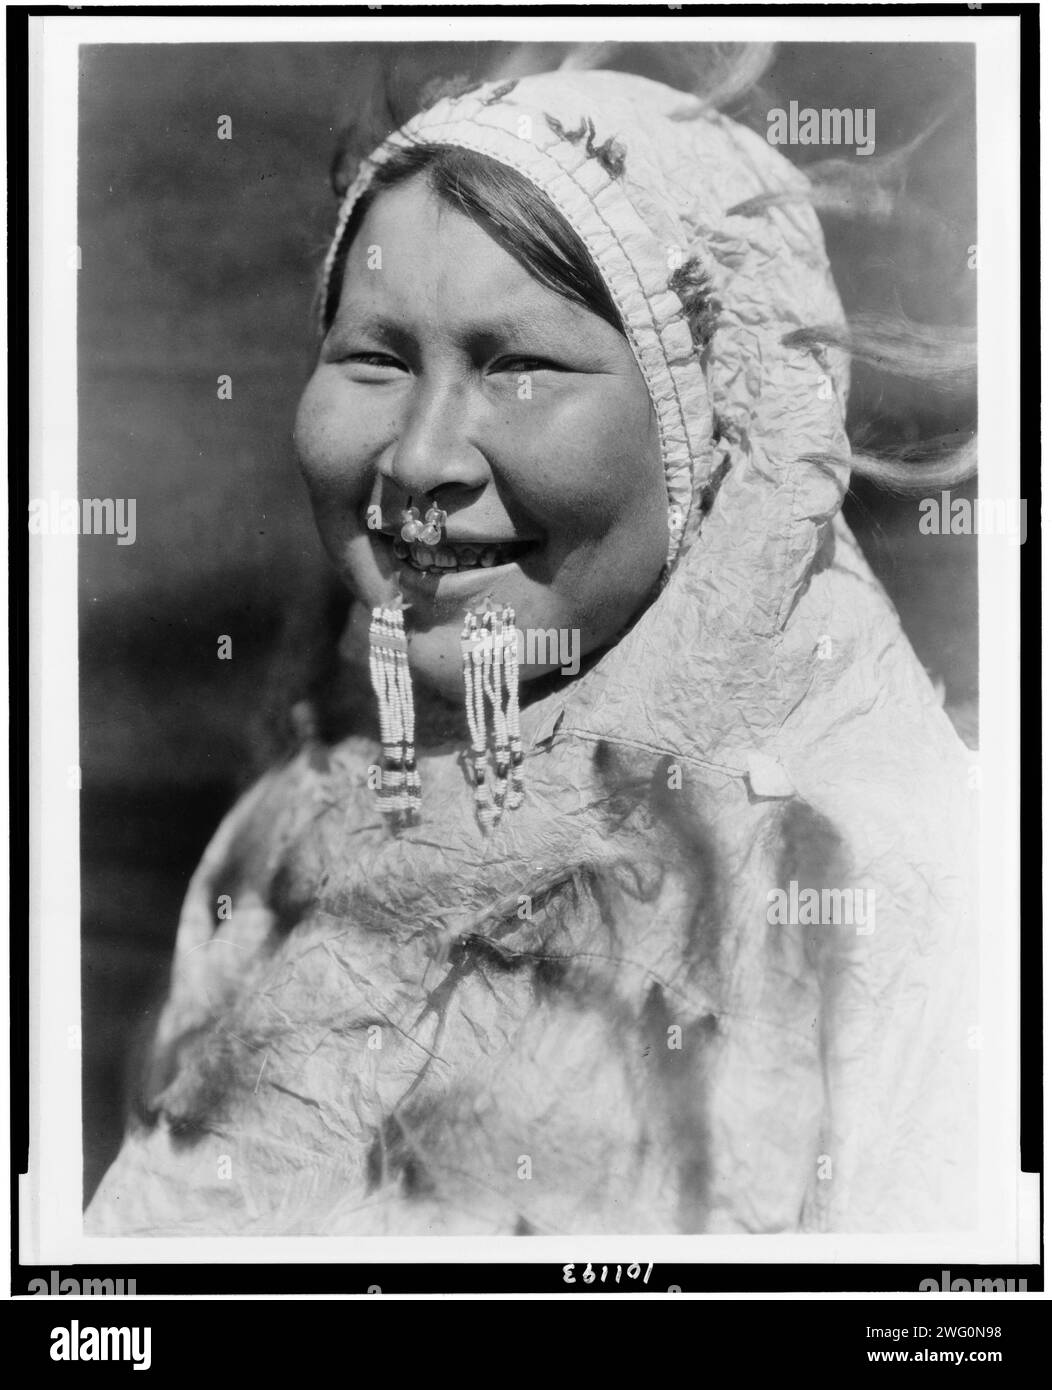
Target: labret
(426,532)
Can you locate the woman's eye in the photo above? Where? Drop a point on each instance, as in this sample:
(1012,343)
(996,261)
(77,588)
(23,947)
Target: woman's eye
(526,364)
(375,363)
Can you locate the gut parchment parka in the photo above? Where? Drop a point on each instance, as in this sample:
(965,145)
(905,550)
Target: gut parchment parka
(601,1016)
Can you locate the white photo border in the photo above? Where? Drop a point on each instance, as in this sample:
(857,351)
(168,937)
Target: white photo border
(51,1228)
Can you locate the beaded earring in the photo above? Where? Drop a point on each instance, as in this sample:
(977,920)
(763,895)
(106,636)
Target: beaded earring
(490,661)
(389,670)
(490,665)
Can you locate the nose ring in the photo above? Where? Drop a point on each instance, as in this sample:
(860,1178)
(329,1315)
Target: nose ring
(427,532)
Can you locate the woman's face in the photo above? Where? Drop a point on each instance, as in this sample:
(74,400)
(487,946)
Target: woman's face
(451,375)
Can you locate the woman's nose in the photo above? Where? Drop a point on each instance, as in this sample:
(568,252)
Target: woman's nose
(434,448)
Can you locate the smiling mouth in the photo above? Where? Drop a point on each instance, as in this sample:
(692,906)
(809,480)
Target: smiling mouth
(456,559)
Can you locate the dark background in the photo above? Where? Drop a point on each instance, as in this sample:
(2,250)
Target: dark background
(199,257)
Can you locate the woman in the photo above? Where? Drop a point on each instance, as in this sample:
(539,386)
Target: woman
(675,941)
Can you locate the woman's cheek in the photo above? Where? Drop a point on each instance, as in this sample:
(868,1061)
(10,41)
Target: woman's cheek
(337,434)
(583,459)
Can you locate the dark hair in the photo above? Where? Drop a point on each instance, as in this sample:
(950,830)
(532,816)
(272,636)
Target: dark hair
(506,205)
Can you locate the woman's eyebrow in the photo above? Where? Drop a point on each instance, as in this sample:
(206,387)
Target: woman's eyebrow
(376,326)
(571,345)
(527,329)
(539,330)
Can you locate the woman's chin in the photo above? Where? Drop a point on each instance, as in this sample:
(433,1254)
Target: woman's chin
(441,683)
(436,665)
